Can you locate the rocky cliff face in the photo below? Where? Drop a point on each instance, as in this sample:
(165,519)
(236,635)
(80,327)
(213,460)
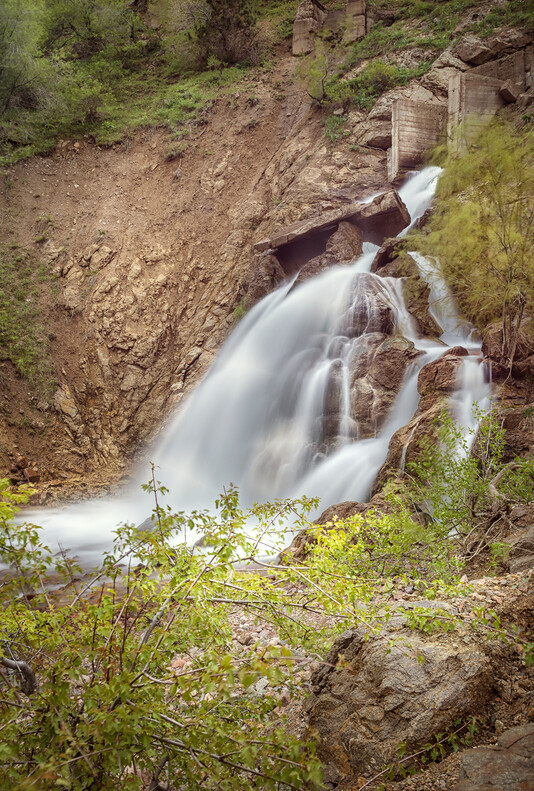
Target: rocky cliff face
(147,257)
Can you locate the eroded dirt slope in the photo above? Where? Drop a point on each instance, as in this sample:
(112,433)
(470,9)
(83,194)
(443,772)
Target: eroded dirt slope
(145,257)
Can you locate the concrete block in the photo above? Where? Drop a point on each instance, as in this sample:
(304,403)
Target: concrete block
(473,100)
(511,67)
(355,29)
(416,127)
(509,91)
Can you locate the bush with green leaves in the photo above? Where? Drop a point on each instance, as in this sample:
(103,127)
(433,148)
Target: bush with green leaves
(481,232)
(91,695)
(462,482)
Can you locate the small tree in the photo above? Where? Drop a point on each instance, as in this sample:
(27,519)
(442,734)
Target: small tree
(482,230)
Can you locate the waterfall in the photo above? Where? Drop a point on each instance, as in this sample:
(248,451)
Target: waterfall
(261,418)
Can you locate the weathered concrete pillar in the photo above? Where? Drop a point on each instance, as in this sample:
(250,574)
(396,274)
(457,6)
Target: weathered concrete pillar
(354,21)
(309,19)
(473,100)
(416,127)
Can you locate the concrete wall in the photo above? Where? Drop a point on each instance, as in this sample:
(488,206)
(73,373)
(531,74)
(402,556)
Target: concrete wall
(511,67)
(354,21)
(416,127)
(473,99)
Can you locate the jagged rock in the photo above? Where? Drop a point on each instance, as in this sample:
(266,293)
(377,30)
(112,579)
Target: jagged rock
(509,91)
(385,216)
(377,374)
(388,252)
(507,766)
(343,247)
(369,696)
(439,376)
(377,135)
(471,49)
(308,20)
(266,274)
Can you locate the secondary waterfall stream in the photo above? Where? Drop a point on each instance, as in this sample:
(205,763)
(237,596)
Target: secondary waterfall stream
(258,419)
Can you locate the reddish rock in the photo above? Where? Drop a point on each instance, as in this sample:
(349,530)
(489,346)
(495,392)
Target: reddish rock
(472,49)
(509,91)
(384,216)
(439,376)
(387,253)
(32,475)
(343,247)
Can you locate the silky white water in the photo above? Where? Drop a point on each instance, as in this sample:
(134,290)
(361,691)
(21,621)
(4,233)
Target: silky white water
(256,421)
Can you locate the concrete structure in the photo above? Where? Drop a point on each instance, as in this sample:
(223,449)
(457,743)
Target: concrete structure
(312,16)
(416,128)
(309,19)
(355,27)
(473,99)
(512,67)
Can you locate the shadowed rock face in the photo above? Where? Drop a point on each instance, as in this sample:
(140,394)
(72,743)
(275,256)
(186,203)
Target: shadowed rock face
(377,696)
(385,216)
(508,766)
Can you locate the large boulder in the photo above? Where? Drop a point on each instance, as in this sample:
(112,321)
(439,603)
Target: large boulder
(378,369)
(377,690)
(386,215)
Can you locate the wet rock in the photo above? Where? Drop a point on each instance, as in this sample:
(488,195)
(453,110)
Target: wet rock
(377,375)
(388,252)
(507,766)
(265,275)
(343,247)
(369,696)
(439,376)
(371,310)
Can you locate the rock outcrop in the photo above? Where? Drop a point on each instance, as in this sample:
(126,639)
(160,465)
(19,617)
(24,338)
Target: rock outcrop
(377,690)
(507,766)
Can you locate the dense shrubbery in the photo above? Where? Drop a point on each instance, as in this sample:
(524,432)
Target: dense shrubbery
(69,67)
(482,228)
(93,696)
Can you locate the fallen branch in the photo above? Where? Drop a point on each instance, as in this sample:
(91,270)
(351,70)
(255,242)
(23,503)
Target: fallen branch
(28,683)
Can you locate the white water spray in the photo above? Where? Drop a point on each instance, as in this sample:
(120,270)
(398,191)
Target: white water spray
(257,420)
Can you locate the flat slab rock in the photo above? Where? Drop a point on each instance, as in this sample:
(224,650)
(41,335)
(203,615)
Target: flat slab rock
(508,766)
(386,215)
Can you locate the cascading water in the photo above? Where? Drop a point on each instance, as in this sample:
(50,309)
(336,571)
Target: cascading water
(258,419)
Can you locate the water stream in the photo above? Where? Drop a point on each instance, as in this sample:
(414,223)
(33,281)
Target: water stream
(257,419)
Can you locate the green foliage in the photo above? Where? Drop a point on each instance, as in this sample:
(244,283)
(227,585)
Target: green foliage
(518,13)
(239,310)
(482,229)
(23,337)
(132,676)
(336,127)
(371,82)
(457,486)
(111,708)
